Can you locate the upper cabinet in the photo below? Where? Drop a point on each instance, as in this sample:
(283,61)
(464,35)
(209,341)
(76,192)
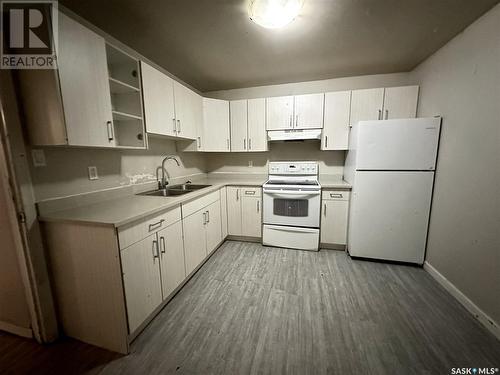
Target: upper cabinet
(93,99)
(188,111)
(383,104)
(335,134)
(295,112)
(248,125)
(216,133)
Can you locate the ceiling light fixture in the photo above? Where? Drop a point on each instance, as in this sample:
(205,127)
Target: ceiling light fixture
(273,14)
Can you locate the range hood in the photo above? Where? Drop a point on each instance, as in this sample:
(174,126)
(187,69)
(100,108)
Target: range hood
(293,134)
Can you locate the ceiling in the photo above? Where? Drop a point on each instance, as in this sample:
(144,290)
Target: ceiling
(213,45)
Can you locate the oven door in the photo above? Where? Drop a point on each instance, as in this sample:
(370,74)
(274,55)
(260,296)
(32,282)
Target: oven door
(292,207)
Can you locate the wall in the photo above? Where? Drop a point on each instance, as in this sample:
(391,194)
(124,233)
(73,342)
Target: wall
(331,162)
(66,172)
(461,82)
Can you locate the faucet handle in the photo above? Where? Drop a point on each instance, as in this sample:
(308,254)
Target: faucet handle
(188,181)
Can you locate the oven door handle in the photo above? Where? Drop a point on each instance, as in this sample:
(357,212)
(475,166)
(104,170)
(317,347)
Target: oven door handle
(290,194)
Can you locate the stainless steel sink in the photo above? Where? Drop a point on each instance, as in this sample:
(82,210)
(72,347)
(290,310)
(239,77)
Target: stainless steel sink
(174,190)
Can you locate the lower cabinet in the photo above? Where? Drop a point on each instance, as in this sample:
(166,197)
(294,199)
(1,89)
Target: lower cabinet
(244,211)
(334,217)
(172,264)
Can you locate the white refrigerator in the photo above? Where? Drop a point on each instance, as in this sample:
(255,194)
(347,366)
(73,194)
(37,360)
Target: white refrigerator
(391,165)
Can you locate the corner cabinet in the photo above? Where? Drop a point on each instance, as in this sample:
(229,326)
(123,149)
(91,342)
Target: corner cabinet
(334,218)
(244,211)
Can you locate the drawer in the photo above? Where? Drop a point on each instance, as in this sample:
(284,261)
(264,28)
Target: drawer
(336,195)
(136,231)
(199,203)
(250,191)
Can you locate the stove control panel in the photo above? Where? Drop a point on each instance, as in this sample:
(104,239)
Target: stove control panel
(293,168)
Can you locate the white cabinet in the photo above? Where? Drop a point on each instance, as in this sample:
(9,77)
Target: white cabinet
(159,108)
(335,135)
(141,279)
(248,125)
(213,227)
(400,102)
(244,211)
(172,266)
(223,211)
(215,125)
(84,85)
(188,111)
(308,111)
(279,113)
(257,136)
(366,105)
(334,217)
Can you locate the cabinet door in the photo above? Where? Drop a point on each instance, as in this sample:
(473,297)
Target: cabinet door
(215,125)
(251,216)
(193,227)
(309,111)
(239,123)
(335,134)
(400,102)
(185,111)
(213,226)
(279,113)
(366,105)
(158,96)
(141,279)
(223,211)
(172,267)
(334,222)
(257,136)
(84,82)
(233,210)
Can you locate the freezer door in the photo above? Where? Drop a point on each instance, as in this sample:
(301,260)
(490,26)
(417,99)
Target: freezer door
(389,215)
(403,144)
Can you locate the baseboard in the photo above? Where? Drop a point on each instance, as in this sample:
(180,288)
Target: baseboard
(244,238)
(16,330)
(479,314)
(332,246)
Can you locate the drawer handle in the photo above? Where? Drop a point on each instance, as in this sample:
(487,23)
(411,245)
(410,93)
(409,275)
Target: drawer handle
(155,247)
(336,195)
(156,225)
(249,192)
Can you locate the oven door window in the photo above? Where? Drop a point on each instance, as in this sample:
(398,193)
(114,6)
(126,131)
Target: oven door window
(291,207)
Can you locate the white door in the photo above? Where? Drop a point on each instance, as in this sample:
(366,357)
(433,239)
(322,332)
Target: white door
(193,227)
(84,82)
(334,222)
(158,96)
(335,135)
(389,215)
(223,212)
(216,125)
(213,227)
(279,113)
(309,111)
(141,279)
(366,105)
(400,102)
(239,123)
(405,144)
(257,136)
(251,216)
(186,108)
(234,210)
(172,266)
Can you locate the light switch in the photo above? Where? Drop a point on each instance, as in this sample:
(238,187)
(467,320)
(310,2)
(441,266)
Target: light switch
(93,173)
(38,158)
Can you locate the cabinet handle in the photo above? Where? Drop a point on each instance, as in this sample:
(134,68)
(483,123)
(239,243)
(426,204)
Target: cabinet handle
(291,125)
(249,143)
(237,194)
(296,120)
(324,209)
(204,218)
(174,129)
(156,225)
(326,141)
(163,248)
(109,127)
(386,114)
(227,143)
(178,126)
(208,216)
(244,144)
(199,142)
(249,192)
(258,206)
(379,114)
(155,245)
(336,195)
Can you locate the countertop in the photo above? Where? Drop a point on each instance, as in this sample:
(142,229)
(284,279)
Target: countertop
(126,209)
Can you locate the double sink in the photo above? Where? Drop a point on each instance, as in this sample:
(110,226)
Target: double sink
(174,190)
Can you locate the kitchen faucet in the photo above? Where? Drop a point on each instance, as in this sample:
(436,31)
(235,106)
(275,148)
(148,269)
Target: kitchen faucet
(163,184)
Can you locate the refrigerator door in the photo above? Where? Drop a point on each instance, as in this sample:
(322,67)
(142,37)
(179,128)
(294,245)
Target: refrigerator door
(403,144)
(389,215)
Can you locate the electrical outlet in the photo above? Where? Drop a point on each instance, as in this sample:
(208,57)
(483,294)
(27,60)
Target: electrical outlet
(250,163)
(93,173)
(38,158)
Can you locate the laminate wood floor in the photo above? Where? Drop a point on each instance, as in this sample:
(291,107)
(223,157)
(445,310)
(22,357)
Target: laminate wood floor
(257,310)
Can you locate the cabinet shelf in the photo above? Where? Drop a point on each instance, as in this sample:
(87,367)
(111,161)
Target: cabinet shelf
(123,116)
(118,87)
